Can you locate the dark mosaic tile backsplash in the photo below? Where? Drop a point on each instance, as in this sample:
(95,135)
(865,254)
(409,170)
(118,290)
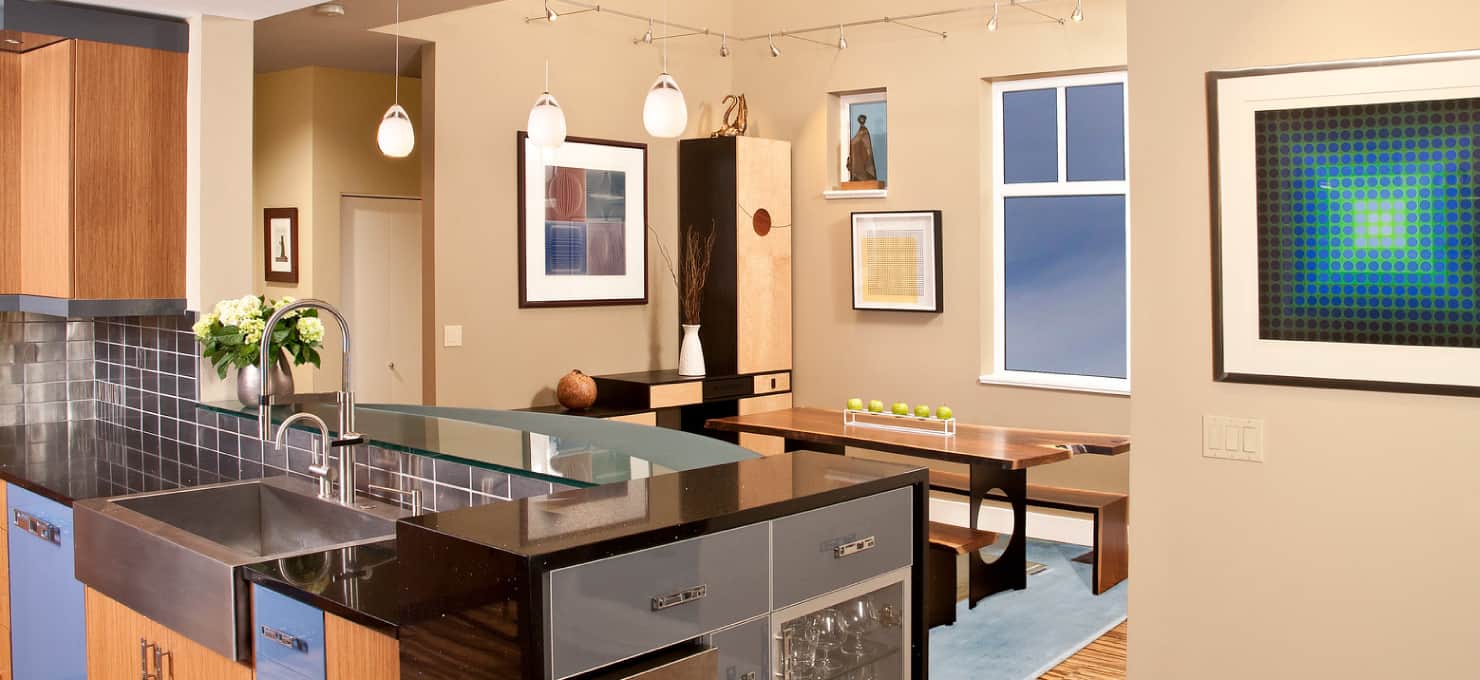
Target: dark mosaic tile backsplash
(147,388)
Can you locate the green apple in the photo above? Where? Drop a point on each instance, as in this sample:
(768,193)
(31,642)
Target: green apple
(876,406)
(855,404)
(944,413)
(922,411)
(901,408)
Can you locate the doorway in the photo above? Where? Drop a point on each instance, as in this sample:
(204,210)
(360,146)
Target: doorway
(382,296)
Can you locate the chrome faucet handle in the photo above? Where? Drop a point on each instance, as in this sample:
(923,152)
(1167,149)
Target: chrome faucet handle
(415,494)
(321,468)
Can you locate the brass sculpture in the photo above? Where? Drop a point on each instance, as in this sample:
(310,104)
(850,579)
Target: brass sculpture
(861,154)
(736,118)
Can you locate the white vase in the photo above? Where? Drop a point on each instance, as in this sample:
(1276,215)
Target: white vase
(691,352)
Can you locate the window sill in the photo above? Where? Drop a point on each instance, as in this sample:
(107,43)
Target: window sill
(838,194)
(1106,386)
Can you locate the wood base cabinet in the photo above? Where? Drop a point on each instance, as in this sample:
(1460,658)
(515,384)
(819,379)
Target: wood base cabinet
(122,643)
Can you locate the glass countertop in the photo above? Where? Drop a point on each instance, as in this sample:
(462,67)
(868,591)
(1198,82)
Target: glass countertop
(563,449)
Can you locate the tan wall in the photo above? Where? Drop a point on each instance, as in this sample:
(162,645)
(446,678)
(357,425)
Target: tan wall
(1348,553)
(489,69)
(940,158)
(315,140)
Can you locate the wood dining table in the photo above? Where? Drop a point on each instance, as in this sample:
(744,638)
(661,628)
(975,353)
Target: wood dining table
(999,458)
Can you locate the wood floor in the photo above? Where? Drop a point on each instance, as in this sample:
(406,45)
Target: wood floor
(1103,659)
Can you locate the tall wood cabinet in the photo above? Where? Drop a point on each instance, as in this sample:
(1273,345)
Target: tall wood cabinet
(101,172)
(10,172)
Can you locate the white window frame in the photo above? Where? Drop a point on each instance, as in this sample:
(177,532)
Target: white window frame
(1001,191)
(845,123)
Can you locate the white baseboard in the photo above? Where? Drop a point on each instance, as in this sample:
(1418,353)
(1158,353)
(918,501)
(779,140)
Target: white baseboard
(998,518)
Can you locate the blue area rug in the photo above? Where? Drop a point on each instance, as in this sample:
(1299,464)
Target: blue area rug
(1020,635)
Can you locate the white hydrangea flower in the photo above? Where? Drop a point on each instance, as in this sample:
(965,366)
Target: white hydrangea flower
(202,328)
(311,329)
(252,329)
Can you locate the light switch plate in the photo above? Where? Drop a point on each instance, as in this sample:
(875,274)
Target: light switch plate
(452,336)
(1233,438)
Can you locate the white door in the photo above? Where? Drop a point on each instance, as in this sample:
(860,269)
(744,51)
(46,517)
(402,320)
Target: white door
(381,270)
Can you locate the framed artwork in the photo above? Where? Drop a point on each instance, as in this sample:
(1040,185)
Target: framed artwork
(863,126)
(582,223)
(280,245)
(1345,225)
(897,261)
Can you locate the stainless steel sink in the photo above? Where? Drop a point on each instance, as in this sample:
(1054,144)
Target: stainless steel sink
(176,556)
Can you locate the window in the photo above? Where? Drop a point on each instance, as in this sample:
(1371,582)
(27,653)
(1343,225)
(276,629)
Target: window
(1061,233)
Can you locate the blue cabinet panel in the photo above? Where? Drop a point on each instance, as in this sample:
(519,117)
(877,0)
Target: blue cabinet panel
(48,631)
(289,637)
(1064,280)
(1094,121)
(1030,136)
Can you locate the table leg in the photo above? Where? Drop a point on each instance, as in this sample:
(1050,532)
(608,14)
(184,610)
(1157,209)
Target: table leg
(1009,572)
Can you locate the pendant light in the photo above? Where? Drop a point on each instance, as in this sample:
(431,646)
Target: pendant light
(1078,15)
(992,23)
(547,120)
(396,136)
(665,114)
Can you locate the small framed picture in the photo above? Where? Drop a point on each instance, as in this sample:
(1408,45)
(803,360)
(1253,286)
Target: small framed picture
(280,244)
(897,261)
(582,223)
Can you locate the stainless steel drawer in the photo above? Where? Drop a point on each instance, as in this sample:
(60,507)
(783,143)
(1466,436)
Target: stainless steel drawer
(616,608)
(829,548)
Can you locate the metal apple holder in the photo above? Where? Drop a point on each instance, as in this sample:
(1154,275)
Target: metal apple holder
(909,424)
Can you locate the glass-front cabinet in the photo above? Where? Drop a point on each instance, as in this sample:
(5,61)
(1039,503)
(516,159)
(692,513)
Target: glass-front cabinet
(858,633)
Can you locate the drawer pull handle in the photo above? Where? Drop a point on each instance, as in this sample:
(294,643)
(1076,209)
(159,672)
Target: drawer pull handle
(681,597)
(284,639)
(38,527)
(854,548)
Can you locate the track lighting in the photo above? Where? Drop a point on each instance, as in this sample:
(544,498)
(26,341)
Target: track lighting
(775,52)
(1078,15)
(724,45)
(842,41)
(648,37)
(550,14)
(992,23)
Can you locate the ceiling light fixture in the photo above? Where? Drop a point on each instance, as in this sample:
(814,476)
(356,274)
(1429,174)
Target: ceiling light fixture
(648,37)
(724,45)
(842,41)
(775,51)
(550,14)
(992,23)
(1078,15)
(396,136)
(665,114)
(547,120)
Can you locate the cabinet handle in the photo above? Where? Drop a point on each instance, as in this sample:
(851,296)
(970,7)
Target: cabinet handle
(38,527)
(854,548)
(285,639)
(144,647)
(159,656)
(681,597)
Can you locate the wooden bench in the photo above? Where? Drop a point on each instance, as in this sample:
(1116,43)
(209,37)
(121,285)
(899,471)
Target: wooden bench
(1110,557)
(946,542)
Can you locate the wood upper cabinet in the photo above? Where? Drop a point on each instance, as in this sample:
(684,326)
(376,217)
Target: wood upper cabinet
(114,637)
(102,165)
(10,173)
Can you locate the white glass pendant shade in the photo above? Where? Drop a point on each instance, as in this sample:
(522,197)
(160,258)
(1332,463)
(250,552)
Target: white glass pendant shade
(547,122)
(665,114)
(396,136)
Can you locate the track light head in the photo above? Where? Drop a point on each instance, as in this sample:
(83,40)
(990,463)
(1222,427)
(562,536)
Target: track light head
(648,37)
(1078,15)
(724,45)
(775,51)
(842,40)
(550,14)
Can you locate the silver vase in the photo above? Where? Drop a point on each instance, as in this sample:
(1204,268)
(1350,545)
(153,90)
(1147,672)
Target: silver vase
(279,381)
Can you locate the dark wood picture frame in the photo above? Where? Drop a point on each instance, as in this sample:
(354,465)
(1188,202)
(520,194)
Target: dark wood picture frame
(268,215)
(1220,325)
(523,270)
(940,289)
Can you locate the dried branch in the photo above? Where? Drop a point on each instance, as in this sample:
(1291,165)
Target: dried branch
(667,259)
(697,254)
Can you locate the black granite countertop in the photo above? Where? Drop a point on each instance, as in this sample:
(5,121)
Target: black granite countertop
(69,462)
(360,584)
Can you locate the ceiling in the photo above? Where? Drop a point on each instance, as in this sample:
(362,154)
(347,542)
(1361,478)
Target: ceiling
(234,9)
(304,38)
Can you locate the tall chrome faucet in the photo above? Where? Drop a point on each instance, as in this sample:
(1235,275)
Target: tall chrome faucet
(344,399)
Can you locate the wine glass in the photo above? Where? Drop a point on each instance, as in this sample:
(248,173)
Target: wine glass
(859,617)
(799,645)
(830,637)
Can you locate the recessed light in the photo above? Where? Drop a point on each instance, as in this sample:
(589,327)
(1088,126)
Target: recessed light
(329,9)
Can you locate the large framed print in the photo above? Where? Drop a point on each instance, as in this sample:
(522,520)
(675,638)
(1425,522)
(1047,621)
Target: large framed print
(897,261)
(1346,235)
(582,223)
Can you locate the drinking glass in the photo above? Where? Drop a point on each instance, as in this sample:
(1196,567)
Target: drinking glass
(859,618)
(830,637)
(799,644)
